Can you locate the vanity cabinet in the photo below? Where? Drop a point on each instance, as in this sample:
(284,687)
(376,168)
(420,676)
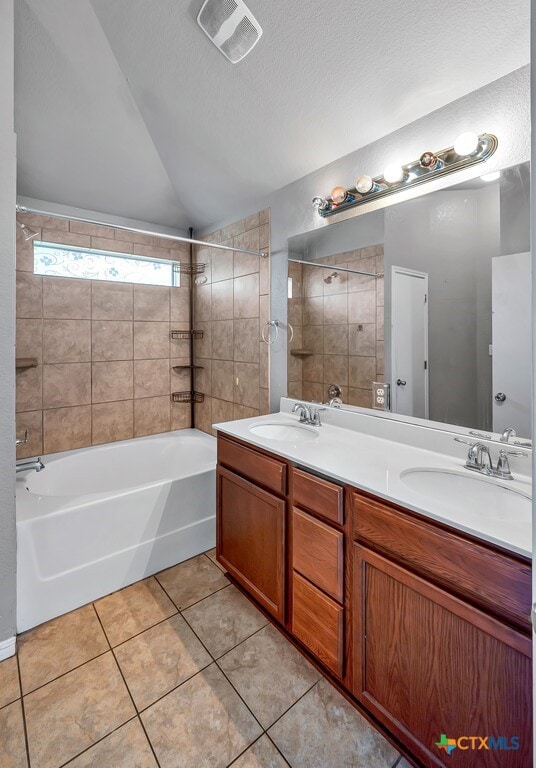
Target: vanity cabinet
(251,523)
(427,659)
(426,628)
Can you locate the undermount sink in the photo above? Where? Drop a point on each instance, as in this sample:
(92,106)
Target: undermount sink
(471,495)
(288,433)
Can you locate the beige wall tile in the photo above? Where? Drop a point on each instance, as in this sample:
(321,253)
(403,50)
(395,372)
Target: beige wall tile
(203,377)
(202,300)
(264,311)
(336,340)
(336,370)
(109,244)
(131,237)
(295,390)
(379,323)
(151,340)
(252,221)
(29,339)
(222,339)
(246,296)
(222,265)
(362,372)
(151,302)
(246,391)
(380,357)
(312,390)
(264,401)
(313,281)
(264,365)
(380,290)
(29,295)
(222,380)
(203,415)
(335,309)
(66,298)
(112,340)
(203,347)
(362,307)
(295,312)
(29,389)
(264,236)
(66,384)
(66,341)
(43,222)
(65,429)
(243,412)
(25,250)
(222,411)
(246,340)
(112,421)
(313,311)
(313,338)
(112,301)
(60,237)
(180,416)
(180,304)
(313,368)
(33,422)
(294,368)
(362,339)
(112,381)
(154,252)
(222,300)
(151,378)
(264,276)
(264,216)
(245,263)
(93,230)
(152,415)
(360,397)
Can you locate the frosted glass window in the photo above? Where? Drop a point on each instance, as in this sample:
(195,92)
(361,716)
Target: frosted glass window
(89,264)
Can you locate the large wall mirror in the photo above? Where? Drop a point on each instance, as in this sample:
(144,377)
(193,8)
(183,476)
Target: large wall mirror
(431,296)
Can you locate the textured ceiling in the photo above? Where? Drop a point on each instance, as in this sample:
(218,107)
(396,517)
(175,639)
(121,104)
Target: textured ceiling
(126,107)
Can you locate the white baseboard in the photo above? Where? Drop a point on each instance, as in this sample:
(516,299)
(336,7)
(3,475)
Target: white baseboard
(8,648)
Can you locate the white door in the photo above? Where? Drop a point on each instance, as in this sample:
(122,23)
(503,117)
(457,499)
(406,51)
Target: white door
(409,342)
(512,343)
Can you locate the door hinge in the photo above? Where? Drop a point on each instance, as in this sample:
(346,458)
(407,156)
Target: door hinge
(425,298)
(426,365)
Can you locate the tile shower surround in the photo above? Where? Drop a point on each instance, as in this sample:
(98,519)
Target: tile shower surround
(231,309)
(104,352)
(341,323)
(178,670)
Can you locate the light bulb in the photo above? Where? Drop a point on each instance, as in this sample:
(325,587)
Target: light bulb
(320,204)
(393,173)
(466,144)
(365,184)
(493,176)
(338,195)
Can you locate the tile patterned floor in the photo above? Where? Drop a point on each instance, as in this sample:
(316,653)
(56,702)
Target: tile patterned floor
(177,671)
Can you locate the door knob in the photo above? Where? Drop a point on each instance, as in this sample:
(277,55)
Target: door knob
(401,383)
(500,397)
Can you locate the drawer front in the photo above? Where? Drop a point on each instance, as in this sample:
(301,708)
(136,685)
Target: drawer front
(317,621)
(263,470)
(317,553)
(318,495)
(496,581)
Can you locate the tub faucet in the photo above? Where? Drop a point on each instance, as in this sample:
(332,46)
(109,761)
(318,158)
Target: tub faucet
(23,466)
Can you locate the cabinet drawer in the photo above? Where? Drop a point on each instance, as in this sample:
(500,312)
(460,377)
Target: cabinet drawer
(261,469)
(318,622)
(317,553)
(318,495)
(491,579)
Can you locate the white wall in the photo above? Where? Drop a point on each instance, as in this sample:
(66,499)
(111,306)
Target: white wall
(7,326)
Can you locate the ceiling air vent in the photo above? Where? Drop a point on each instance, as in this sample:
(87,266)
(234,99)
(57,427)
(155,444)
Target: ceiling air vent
(231,26)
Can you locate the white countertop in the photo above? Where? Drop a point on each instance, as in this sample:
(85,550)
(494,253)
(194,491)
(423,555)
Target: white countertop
(371,453)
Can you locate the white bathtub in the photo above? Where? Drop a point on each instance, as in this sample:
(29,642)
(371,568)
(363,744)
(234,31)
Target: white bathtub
(97,519)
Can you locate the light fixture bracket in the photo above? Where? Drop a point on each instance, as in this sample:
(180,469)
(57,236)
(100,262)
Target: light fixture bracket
(448,161)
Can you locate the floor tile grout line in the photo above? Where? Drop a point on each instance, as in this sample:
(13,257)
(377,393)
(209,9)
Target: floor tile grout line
(220,589)
(131,697)
(63,674)
(98,741)
(143,631)
(293,705)
(276,747)
(23,711)
(218,658)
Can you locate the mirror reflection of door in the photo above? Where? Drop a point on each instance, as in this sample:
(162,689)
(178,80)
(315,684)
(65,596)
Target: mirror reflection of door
(511,350)
(409,340)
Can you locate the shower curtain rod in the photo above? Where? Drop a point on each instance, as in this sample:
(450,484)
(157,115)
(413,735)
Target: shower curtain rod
(178,238)
(335,267)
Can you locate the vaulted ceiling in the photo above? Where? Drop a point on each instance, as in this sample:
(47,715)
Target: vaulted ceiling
(126,107)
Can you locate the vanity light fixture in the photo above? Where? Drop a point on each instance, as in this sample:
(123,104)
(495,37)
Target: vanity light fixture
(468,149)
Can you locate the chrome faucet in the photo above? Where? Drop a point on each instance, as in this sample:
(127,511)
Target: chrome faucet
(308,416)
(507,434)
(24,440)
(479,460)
(24,466)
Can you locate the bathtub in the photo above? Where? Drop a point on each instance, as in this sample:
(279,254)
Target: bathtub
(97,519)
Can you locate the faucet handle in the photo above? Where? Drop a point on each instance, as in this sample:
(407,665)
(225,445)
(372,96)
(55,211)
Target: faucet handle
(315,418)
(24,441)
(472,443)
(504,452)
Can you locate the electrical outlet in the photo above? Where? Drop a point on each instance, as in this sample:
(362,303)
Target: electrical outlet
(381,396)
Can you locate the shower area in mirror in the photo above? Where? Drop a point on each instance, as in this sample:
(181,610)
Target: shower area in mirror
(338,321)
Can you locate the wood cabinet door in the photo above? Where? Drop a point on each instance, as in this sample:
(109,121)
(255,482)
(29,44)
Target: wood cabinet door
(251,539)
(428,664)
